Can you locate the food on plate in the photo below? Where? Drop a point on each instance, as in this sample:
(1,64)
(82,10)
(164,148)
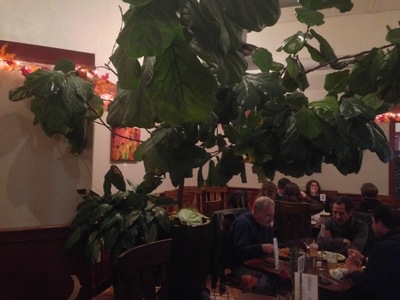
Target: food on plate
(284,252)
(340,257)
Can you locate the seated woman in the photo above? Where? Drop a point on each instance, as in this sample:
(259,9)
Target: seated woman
(292,193)
(313,190)
(268,189)
(369,193)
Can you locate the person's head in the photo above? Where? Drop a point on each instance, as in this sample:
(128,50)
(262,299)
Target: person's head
(313,188)
(292,193)
(268,189)
(342,210)
(369,191)
(264,211)
(384,219)
(282,184)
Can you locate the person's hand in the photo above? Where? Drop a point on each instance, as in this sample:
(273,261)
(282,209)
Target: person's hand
(354,260)
(346,242)
(268,248)
(303,194)
(354,253)
(327,234)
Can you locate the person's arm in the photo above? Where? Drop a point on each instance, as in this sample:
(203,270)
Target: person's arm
(380,267)
(245,245)
(315,206)
(360,239)
(328,242)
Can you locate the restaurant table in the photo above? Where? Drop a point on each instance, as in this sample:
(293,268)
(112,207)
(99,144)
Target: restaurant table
(268,265)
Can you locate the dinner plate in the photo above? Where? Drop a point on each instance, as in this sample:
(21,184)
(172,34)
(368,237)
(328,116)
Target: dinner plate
(340,257)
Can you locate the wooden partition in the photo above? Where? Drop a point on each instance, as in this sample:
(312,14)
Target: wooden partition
(34,266)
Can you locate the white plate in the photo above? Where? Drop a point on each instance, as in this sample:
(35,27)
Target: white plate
(340,257)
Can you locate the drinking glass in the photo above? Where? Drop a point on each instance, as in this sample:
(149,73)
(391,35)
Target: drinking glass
(331,258)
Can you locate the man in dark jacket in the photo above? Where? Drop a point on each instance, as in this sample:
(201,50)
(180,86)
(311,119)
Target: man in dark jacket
(381,277)
(252,236)
(343,230)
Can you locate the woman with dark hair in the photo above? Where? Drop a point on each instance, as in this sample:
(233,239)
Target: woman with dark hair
(313,190)
(292,193)
(268,189)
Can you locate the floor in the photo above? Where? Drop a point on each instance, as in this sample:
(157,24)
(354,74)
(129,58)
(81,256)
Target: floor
(230,294)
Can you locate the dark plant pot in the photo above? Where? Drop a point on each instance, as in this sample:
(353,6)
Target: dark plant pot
(189,266)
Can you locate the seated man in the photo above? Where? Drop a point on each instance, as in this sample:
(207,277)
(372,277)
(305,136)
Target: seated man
(381,277)
(343,231)
(252,236)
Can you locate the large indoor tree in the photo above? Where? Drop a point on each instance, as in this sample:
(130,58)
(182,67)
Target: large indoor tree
(182,75)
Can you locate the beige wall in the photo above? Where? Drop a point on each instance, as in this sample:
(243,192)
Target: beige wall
(38,178)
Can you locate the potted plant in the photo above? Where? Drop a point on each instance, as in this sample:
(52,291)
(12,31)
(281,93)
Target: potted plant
(118,221)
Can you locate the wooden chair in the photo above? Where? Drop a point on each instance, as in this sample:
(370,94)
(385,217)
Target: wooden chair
(214,198)
(141,269)
(192,196)
(292,220)
(221,249)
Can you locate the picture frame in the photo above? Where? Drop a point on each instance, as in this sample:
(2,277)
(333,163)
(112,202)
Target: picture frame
(124,142)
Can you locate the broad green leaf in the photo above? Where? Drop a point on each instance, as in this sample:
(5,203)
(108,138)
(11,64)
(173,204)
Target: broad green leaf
(293,67)
(341,5)
(52,114)
(314,53)
(64,65)
(111,237)
(213,34)
(294,43)
(20,93)
(95,108)
(74,238)
(325,106)
(351,107)
(325,48)
(309,17)
(131,217)
(137,2)
(381,144)
(44,83)
(254,84)
(293,148)
(149,29)
(178,94)
(131,108)
(252,15)
(363,78)
(128,70)
(231,68)
(393,35)
(336,83)
(308,125)
(92,250)
(262,59)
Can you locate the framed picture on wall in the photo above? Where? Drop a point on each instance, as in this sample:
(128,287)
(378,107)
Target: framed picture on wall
(124,142)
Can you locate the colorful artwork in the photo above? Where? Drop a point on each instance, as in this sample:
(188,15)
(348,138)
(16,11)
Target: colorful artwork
(124,142)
